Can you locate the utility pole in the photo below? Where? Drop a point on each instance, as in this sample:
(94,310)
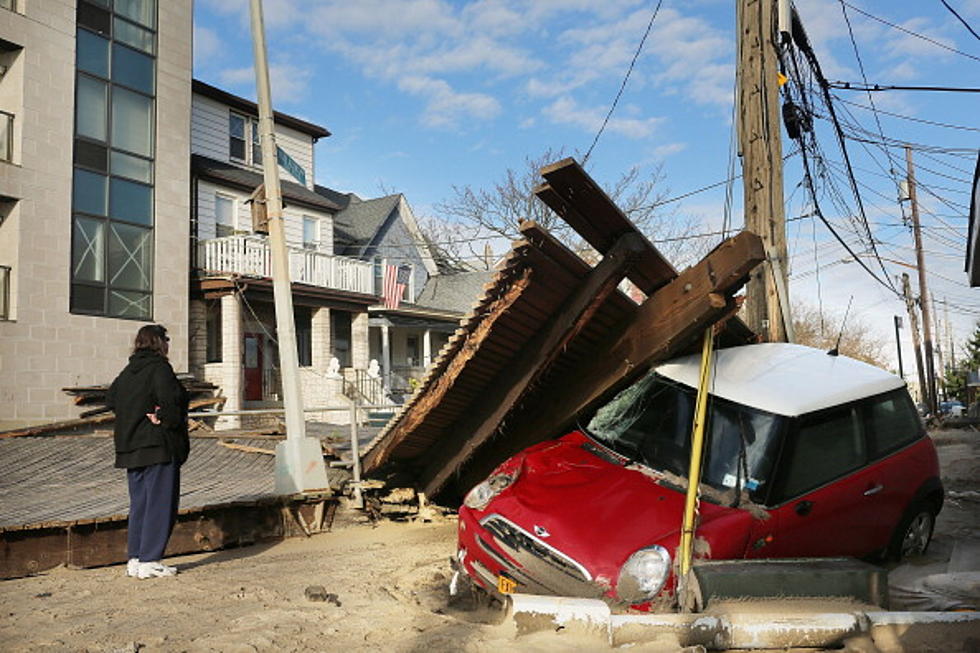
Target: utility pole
(766,295)
(930,379)
(916,342)
(299,459)
(898,344)
(941,377)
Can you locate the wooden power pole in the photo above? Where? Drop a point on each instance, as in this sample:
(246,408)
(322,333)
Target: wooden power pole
(929,381)
(916,339)
(766,295)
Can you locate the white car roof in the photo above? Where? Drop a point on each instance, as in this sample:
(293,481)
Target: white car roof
(783,378)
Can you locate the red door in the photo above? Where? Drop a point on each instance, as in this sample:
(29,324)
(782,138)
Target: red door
(253,367)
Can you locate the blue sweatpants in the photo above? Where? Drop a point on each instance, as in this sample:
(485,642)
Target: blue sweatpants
(154,492)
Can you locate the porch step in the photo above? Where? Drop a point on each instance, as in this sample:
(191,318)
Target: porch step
(379,417)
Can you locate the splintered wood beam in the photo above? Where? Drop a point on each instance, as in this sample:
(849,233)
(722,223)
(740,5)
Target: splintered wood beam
(442,386)
(536,356)
(572,194)
(662,327)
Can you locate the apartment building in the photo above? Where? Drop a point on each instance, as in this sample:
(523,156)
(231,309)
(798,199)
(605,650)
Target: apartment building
(94,203)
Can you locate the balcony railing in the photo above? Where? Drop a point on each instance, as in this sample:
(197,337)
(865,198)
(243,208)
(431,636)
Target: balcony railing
(4,292)
(251,255)
(6,136)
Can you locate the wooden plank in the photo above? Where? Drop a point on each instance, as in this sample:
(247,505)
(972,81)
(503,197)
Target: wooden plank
(573,195)
(246,448)
(534,359)
(446,381)
(663,326)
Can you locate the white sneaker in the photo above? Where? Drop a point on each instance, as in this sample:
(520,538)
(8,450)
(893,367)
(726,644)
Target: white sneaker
(133,567)
(154,570)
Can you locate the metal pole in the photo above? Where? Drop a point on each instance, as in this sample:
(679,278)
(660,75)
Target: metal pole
(898,344)
(299,460)
(355,454)
(930,381)
(694,469)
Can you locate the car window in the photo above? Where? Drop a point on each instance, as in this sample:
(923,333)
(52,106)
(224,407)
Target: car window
(892,421)
(825,447)
(651,422)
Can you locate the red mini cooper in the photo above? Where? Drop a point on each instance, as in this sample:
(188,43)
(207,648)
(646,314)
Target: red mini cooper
(807,455)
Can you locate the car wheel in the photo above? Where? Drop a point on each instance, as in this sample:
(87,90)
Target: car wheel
(914,532)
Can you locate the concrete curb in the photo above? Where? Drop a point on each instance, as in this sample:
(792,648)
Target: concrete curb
(765,629)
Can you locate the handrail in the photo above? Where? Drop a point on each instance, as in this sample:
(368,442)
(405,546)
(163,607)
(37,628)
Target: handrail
(250,255)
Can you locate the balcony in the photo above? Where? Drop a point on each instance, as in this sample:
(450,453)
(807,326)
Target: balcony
(250,255)
(6,136)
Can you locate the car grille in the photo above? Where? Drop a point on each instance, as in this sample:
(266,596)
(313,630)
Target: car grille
(538,568)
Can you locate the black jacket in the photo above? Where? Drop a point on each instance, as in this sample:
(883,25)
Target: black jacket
(146,382)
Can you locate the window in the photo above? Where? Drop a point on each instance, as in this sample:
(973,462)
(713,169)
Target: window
(236,136)
(825,447)
(892,422)
(412,351)
(243,139)
(6,136)
(311,232)
(7,4)
(224,215)
(113,192)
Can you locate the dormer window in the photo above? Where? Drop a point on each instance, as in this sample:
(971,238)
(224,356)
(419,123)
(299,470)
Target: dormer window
(243,139)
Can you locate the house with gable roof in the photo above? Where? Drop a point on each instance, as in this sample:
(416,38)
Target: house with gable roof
(371,308)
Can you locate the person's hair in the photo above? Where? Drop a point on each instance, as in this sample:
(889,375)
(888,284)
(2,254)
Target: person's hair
(152,337)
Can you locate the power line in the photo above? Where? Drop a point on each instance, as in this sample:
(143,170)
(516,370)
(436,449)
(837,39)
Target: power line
(965,24)
(911,33)
(904,117)
(866,87)
(622,86)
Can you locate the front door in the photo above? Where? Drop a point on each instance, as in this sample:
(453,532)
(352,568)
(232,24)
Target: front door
(253,367)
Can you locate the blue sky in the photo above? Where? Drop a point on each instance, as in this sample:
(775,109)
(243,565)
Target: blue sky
(424,95)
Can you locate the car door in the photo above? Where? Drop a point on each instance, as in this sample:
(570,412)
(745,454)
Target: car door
(823,508)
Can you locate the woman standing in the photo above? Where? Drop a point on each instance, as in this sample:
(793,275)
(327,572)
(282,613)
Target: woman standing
(151,444)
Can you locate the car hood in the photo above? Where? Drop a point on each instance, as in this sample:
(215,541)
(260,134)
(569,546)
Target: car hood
(593,505)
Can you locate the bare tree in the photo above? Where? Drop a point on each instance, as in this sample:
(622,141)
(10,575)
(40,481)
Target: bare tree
(492,214)
(821,330)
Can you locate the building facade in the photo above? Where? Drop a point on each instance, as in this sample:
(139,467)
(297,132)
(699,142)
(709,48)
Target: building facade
(94,235)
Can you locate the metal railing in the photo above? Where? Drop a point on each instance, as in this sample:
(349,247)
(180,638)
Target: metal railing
(4,292)
(6,136)
(363,388)
(251,255)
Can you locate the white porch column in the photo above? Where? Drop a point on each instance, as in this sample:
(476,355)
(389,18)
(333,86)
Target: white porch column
(359,341)
(385,357)
(427,348)
(232,378)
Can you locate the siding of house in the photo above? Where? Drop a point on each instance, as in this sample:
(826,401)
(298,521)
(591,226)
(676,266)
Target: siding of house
(209,137)
(400,248)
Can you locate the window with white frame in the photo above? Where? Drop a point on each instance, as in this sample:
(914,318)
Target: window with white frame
(311,232)
(224,215)
(243,139)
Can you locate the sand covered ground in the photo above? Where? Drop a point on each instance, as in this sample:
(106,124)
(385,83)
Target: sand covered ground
(386,586)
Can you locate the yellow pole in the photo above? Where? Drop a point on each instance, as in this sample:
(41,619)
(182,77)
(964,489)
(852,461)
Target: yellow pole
(697,446)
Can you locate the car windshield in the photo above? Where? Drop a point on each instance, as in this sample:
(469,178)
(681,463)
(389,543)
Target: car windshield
(650,422)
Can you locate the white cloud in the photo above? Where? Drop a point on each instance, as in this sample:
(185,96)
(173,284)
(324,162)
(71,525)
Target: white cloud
(446,107)
(289,83)
(663,151)
(207,45)
(565,111)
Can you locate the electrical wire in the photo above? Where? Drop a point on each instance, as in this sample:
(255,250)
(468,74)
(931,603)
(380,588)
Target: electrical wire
(622,86)
(911,33)
(904,117)
(866,87)
(965,24)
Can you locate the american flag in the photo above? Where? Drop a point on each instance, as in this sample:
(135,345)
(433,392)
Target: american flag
(396,278)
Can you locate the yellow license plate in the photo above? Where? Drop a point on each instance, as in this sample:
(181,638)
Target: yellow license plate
(506,585)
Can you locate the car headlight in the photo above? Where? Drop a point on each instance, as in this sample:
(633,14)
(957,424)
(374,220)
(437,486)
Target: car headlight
(643,576)
(482,494)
